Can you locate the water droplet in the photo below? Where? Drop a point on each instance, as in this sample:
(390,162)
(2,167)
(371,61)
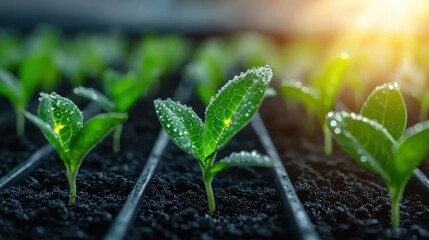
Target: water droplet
(333,123)
(337,131)
(363,158)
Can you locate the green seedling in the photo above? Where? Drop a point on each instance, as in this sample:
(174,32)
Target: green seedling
(375,138)
(41,59)
(319,98)
(61,122)
(161,54)
(228,112)
(89,55)
(122,92)
(19,94)
(209,68)
(11,50)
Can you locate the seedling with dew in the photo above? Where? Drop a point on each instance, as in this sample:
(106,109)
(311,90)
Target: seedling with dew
(228,112)
(375,138)
(61,122)
(319,98)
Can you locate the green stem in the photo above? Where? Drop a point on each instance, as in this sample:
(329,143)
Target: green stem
(424,110)
(328,140)
(396,196)
(117,139)
(71,177)
(210,196)
(20,122)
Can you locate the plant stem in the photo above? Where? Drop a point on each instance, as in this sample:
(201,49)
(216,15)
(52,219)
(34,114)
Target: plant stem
(20,122)
(396,196)
(327,140)
(424,109)
(210,196)
(71,177)
(117,139)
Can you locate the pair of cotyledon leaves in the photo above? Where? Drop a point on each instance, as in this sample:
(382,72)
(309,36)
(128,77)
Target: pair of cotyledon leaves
(227,113)
(61,122)
(376,138)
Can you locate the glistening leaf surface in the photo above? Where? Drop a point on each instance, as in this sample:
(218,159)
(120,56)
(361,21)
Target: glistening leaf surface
(412,148)
(365,140)
(242,159)
(96,96)
(233,107)
(183,126)
(62,115)
(386,106)
(93,132)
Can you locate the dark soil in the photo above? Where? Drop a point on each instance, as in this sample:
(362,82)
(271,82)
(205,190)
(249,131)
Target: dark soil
(343,200)
(175,204)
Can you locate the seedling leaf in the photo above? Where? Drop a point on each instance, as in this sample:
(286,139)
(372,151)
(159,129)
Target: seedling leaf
(386,106)
(298,92)
(62,115)
(10,87)
(233,107)
(46,130)
(242,159)
(96,96)
(330,82)
(125,89)
(183,126)
(92,133)
(412,149)
(365,140)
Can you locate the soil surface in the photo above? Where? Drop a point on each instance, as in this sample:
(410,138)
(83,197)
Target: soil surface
(342,199)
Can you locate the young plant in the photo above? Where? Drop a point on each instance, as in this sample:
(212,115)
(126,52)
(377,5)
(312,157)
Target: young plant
(18,93)
(122,92)
(319,98)
(61,122)
(209,68)
(375,138)
(228,112)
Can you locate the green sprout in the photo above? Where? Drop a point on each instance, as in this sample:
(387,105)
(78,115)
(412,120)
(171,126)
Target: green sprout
(41,60)
(11,50)
(319,98)
(61,122)
(19,94)
(90,54)
(228,112)
(209,68)
(122,92)
(376,139)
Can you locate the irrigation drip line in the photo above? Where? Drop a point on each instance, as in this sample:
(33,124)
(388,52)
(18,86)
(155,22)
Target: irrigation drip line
(127,215)
(23,169)
(291,202)
(421,178)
